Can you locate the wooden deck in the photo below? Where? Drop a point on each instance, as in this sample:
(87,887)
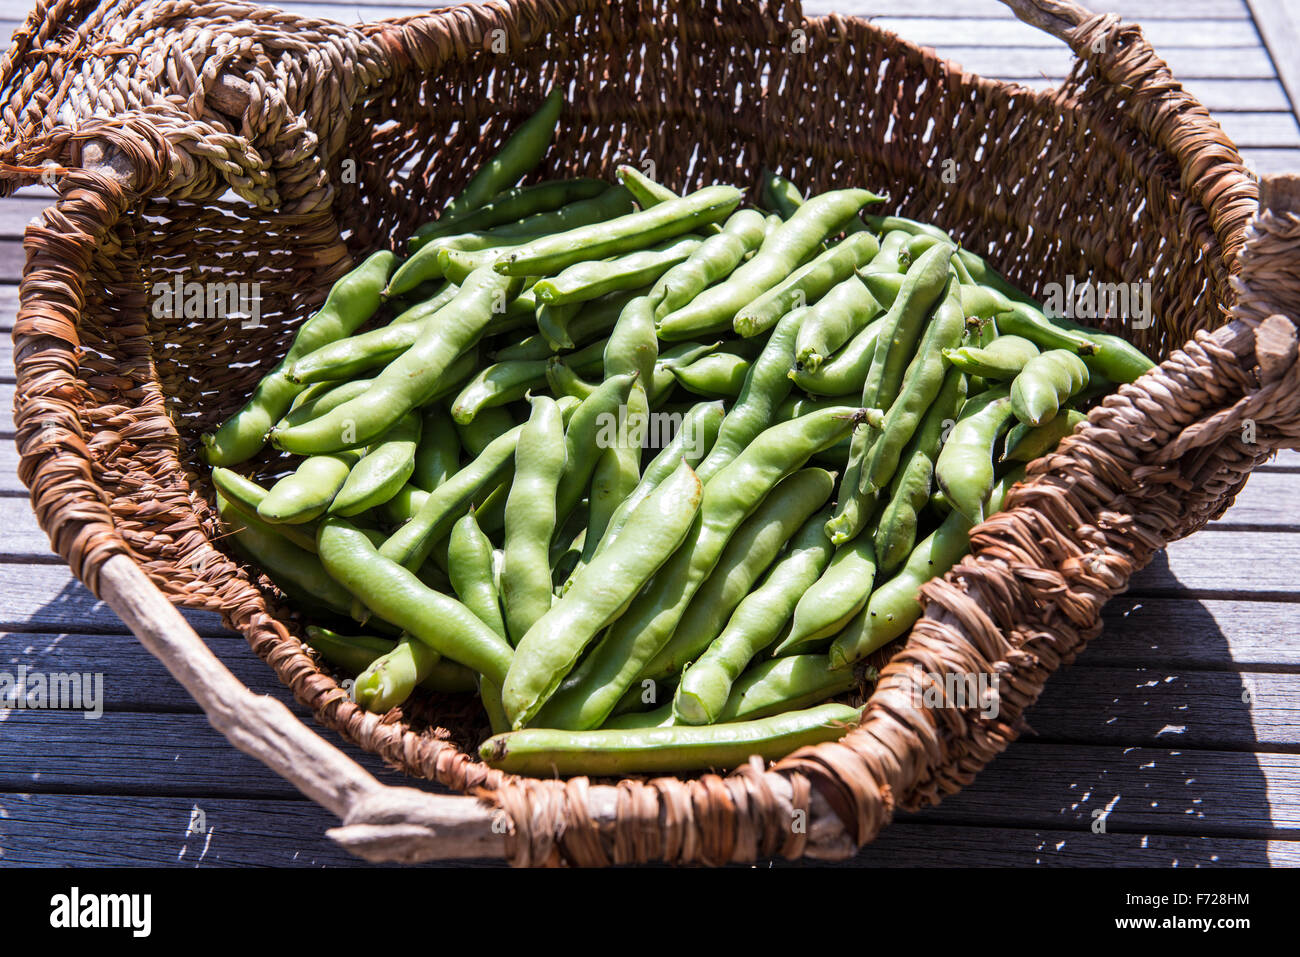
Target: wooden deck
(1179,727)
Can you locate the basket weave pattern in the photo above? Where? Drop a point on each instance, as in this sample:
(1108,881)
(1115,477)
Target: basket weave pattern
(230,127)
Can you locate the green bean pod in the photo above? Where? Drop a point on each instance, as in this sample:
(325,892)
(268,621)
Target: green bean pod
(829,603)
(844,373)
(391,678)
(921,384)
(706,685)
(585,281)
(409,380)
(549,255)
(437,457)
(553,322)
(711,261)
(770,687)
(530,517)
(1003,358)
(298,572)
(424,264)
(545,753)
(355,653)
(520,153)
(510,206)
(1026,443)
(779,194)
(600,595)
(305,494)
(596,414)
(1046,381)
(720,375)
(244,496)
(892,259)
(964,468)
(808,284)
(780,254)
(895,606)
(469,566)
(733,494)
(382,471)
(397,596)
(896,528)
(835,319)
(754,547)
(766,385)
(694,437)
(351,301)
(411,544)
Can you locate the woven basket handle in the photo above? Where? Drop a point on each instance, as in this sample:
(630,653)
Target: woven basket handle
(1057,17)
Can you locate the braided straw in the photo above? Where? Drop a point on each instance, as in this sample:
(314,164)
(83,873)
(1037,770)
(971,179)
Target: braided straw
(228,141)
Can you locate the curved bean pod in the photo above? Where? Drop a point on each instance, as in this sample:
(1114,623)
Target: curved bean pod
(894,606)
(382,471)
(351,301)
(713,260)
(829,603)
(543,753)
(733,493)
(754,547)
(306,493)
(808,284)
(530,517)
(834,319)
(394,594)
(510,206)
(1026,443)
(706,685)
(589,280)
(964,469)
(244,496)
(780,254)
(634,231)
(437,456)
(1046,381)
(1003,358)
(554,643)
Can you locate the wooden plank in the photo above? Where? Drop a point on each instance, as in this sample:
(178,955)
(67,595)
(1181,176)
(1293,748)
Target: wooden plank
(16,212)
(1224,564)
(993,9)
(1170,706)
(1276,130)
(1187,63)
(132,753)
(1154,790)
(909,842)
(1139,790)
(43,830)
(12,258)
(945,31)
(1209,634)
(132,679)
(1279,28)
(1266,162)
(49,598)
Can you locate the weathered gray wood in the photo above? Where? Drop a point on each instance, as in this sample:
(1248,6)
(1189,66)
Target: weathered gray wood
(1140,10)
(1224,564)
(909,843)
(133,679)
(1187,63)
(1279,27)
(47,597)
(1148,790)
(69,829)
(1173,707)
(1031,785)
(1208,635)
(959,29)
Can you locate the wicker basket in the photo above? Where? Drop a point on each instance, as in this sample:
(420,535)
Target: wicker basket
(201,140)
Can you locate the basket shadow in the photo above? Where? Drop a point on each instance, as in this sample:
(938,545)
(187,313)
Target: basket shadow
(1140,754)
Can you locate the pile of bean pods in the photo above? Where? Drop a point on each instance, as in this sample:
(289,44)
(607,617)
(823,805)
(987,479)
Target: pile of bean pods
(481,485)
